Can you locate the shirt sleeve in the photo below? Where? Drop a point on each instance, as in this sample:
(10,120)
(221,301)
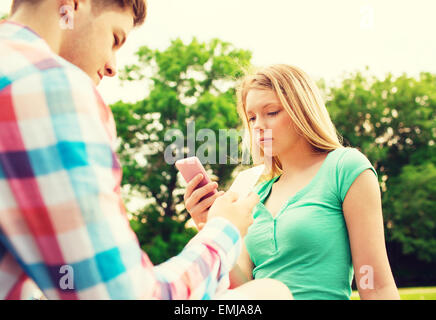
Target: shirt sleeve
(65,223)
(350,165)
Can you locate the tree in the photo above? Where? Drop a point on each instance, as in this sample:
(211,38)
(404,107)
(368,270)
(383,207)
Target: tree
(412,214)
(190,85)
(392,121)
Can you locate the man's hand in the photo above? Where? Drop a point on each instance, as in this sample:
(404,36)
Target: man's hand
(237,211)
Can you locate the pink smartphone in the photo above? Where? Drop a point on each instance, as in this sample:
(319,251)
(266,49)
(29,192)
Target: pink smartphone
(189,168)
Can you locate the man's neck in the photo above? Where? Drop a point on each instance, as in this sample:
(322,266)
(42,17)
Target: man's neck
(39,19)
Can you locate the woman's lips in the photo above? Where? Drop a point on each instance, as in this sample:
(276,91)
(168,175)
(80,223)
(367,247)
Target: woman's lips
(265,140)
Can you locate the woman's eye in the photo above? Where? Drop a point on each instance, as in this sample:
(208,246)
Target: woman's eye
(251,119)
(273,113)
(116,41)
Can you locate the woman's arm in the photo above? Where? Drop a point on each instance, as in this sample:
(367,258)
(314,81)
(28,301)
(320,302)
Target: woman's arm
(363,215)
(242,272)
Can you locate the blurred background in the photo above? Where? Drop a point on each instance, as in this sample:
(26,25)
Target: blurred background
(374,62)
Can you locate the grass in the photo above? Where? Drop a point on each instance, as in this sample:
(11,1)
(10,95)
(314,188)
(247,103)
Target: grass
(419,293)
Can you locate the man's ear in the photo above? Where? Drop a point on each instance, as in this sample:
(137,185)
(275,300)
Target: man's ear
(73,10)
(66,10)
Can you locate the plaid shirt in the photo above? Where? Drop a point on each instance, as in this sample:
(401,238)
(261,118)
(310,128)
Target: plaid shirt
(63,228)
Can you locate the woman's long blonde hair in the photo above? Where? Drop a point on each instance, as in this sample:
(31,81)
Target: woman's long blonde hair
(301,98)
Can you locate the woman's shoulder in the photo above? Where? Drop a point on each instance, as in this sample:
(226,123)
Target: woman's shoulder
(349,158)
(351,162)
(341,152)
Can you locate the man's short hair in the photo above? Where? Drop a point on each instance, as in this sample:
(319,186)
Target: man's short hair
(139,7)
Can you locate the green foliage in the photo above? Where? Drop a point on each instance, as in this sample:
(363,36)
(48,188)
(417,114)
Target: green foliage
(161,238)
(412,214)
(393,122)
(426,293)
(3,16)
(188,82)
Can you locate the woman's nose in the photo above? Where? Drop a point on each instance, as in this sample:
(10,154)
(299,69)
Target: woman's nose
(258,124)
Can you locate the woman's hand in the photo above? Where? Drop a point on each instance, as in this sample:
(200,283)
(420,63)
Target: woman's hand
(197,208)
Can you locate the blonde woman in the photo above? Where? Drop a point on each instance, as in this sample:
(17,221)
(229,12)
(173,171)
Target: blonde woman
(320,214)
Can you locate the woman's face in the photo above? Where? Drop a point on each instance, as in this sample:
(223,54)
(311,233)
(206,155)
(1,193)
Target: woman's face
(271,126)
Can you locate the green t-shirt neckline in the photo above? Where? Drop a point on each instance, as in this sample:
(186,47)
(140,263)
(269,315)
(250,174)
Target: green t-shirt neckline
(298,195)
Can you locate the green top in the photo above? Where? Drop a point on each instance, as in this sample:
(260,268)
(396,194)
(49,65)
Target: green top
(306,245)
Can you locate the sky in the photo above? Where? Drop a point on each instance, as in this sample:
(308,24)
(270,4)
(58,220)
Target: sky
(326,38)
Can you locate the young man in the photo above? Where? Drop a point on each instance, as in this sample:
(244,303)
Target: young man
(62,222)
